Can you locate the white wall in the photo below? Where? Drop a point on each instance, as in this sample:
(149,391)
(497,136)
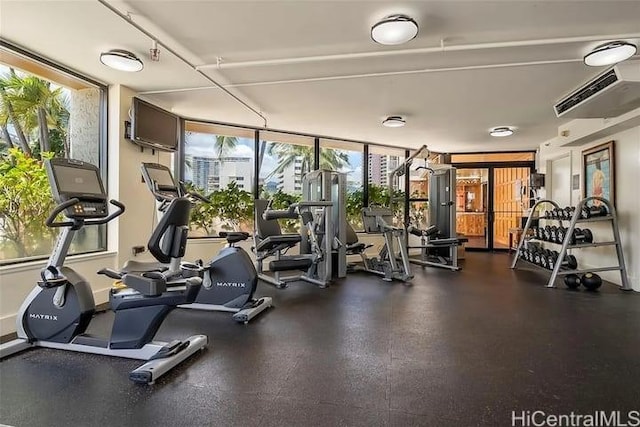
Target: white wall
(627,181)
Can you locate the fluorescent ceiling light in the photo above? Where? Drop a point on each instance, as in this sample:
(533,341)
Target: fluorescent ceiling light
(394,122)
(501,131)
(394,29)
(610,53)
(121,60)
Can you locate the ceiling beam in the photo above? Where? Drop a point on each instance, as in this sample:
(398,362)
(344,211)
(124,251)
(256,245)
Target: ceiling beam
(221,64)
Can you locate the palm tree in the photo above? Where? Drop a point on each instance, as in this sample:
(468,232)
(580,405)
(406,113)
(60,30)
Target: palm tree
(224,144)
(36,103)
(288,153)
(8,116)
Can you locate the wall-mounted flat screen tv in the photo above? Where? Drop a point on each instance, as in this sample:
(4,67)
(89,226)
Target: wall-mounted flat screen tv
(153,127)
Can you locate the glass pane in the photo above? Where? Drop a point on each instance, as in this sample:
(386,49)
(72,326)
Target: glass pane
(346,157)
(383,189)
(510,201)
(283,160)
(471,205)
(220,165)
(52,115)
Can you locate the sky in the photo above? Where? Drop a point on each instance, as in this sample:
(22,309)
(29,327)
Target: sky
(202,144)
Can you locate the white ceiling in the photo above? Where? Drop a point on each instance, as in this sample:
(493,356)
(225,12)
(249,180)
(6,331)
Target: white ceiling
(450,98)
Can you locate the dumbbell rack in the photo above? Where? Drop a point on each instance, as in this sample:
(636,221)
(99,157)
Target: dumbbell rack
(566,243)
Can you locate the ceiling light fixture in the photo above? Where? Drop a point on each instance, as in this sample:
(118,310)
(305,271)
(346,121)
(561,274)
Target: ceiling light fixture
(394,122)
(121,60)
(394,29)
(610,53)
(501,131)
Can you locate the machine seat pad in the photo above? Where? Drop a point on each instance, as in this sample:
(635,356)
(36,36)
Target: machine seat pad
(234,236)
(357,248)
(447,242)
(282,239)
(294,263)
(132,266)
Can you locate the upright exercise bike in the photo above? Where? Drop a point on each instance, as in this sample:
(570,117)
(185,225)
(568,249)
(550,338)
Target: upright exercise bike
(229,280)
(59,309)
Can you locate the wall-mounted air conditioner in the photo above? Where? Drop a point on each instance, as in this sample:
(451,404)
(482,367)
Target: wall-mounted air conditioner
(612,93)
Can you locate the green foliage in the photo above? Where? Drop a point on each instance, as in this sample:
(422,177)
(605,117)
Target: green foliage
(203,215)
(282,200)
(354,209)
(230,208)
(25,204)
(233,206)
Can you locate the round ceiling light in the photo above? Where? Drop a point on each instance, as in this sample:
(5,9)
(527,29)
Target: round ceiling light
(610,53)
(121,60)
(394,29)
(394,122)
(501,131)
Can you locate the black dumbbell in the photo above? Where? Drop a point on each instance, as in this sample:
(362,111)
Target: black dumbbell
(544,258)
(547,214)
(593,211)
(547,233)
(580,236)
(569,261)
(569,211)
(561,234)
(534,232)
(554,234)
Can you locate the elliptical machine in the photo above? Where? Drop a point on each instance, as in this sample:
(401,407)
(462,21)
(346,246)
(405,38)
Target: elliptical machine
(229,280)
(59,309)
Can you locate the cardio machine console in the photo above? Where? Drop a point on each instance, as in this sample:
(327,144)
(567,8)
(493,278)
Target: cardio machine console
(74,179)
(160,181)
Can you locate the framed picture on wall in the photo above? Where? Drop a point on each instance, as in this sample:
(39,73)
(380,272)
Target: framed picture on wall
(598,172)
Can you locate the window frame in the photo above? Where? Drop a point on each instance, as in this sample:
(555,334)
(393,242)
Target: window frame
(59,70)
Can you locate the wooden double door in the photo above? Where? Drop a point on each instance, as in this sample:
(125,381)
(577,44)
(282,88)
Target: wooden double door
(491,201)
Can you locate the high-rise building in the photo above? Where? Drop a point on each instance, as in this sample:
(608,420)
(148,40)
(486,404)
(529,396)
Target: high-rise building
(211,173)
(290,178)
(380,166)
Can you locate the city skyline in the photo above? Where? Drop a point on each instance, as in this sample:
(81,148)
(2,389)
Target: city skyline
(202,147)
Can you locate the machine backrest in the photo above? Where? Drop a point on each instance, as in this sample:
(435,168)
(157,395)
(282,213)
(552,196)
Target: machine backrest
(352,237)
(169,238)
(372,216)
(265,227)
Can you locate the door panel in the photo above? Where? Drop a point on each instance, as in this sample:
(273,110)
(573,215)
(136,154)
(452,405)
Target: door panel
(561,181)
(471,205)
(510,200)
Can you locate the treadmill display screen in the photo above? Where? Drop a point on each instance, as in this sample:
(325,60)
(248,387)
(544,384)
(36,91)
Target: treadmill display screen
(77,180)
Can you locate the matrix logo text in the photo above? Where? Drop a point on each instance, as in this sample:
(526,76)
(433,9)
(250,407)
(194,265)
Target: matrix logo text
(595,419)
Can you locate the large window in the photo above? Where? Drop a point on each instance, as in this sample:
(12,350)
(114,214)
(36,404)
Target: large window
(384,189)
(347,157)
(283,161)
(44,112)
(219,163)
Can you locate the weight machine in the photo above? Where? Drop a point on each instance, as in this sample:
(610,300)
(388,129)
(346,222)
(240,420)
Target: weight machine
(327,186)
(439,242)
(269,241)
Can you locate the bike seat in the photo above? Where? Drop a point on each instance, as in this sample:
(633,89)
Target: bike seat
(132,266)
(234,236)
